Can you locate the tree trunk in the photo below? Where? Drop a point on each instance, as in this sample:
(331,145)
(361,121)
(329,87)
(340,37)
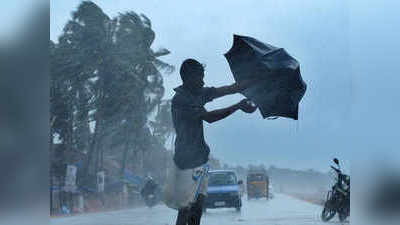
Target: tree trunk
(102,159)
(99,124)
(96,136)
(70,129)
(126,152)
(51,166)
(92,148)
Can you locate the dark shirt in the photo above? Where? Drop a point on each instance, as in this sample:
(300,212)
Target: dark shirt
(191,150)
(149,188)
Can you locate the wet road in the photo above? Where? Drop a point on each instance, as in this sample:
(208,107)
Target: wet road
(281,210)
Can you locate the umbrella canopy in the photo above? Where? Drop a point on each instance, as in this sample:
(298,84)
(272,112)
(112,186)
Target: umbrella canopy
(280,87)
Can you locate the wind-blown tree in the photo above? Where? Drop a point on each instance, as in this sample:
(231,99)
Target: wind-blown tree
(111,80)
(141,87)
(60,114)
(162,127)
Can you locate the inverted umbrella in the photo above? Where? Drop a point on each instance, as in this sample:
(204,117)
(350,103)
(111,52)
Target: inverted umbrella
(280,87)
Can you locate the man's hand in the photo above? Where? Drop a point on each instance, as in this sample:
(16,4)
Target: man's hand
(235,88)
(247,106)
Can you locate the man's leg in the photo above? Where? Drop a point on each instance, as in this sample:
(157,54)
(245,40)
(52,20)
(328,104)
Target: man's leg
(183,215)
(196,211)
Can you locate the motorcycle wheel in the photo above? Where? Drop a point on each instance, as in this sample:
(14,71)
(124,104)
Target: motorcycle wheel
(327,214)
(342,216)
(150,202)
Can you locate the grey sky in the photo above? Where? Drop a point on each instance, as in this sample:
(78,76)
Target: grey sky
(333,114)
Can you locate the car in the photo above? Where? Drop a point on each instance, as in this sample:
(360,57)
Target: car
(223,190)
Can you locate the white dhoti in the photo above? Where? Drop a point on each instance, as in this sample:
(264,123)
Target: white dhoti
(183,186)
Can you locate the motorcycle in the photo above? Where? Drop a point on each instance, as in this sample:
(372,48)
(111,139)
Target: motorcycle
(338,199)
(151,193)
(151,200)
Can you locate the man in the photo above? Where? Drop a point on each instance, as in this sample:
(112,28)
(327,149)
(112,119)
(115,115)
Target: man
(188,114)
(149,188)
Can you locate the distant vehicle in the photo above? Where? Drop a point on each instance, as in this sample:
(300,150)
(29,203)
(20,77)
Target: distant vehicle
(257,185)
(151,193)
(223,190)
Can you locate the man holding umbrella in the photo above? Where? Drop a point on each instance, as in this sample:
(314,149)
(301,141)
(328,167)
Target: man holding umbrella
(266,74)
(191,150)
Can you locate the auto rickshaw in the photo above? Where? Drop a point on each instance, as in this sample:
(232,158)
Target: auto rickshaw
(257,185)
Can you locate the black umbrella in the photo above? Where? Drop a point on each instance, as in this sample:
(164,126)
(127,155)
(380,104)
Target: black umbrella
(280,87)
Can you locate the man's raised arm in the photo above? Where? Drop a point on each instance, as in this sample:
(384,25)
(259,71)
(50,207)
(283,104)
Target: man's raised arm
(220,114)
(234,88)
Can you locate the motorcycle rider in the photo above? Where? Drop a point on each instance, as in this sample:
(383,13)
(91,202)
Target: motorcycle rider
(149,188)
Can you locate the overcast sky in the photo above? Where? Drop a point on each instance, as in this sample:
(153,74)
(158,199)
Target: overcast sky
(349,109)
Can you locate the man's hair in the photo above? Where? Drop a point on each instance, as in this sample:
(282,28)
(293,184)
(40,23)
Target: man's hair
(189,67)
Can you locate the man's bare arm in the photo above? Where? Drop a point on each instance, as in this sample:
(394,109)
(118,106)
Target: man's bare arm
(220,114)
(234,88)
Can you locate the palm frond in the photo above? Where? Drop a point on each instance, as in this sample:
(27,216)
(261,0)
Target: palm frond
(161,52)
(146,21)
(164,66)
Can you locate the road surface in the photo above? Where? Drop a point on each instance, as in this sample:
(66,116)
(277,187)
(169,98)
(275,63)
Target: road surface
(281,210)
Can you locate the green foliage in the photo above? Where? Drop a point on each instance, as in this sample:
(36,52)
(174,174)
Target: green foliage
(162,126)
(105,82)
